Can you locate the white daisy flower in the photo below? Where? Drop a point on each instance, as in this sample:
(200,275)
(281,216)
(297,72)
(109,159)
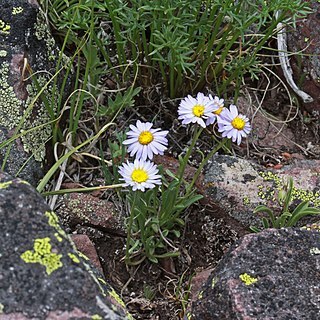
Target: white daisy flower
(192,110)
(219,104)
(140,175)
(233,125)
(144,141)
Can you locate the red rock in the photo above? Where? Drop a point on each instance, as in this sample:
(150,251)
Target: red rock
(306,67)
(85,246)
(86,209)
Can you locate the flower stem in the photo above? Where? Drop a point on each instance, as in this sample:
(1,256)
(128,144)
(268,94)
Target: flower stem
(203,163)
(129,226)
(195,137)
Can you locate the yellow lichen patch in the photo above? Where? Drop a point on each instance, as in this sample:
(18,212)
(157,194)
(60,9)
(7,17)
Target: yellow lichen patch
(200,295)
(213,282)
(279,185)
(96,317)
(102,280)
(58,237)
(114,295)
(16,10)
(247,279)
(53,219)
(1,308)
(4,185)
(129,316)
(73,257)
(3,53)
(83,256)
(189,317)
(42,254)
(54,222)
(246,201)
(4,27)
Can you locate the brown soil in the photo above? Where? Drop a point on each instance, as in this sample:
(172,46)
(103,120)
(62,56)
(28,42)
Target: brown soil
(161,291)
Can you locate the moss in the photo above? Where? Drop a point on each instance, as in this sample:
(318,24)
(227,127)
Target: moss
(42,254)
(247,279)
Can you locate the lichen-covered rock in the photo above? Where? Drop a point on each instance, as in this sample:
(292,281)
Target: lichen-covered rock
(42,275)
(85,210)
(270,275)
(237,186)
(28,62)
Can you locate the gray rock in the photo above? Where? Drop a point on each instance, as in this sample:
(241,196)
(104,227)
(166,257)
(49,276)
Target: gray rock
(270,275)
(42,275)
(26,48)
(237,186)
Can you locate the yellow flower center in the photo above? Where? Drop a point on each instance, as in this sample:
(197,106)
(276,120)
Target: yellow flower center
(238,123)
(139,175)
(145,137)
(217,112)
(198,110)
